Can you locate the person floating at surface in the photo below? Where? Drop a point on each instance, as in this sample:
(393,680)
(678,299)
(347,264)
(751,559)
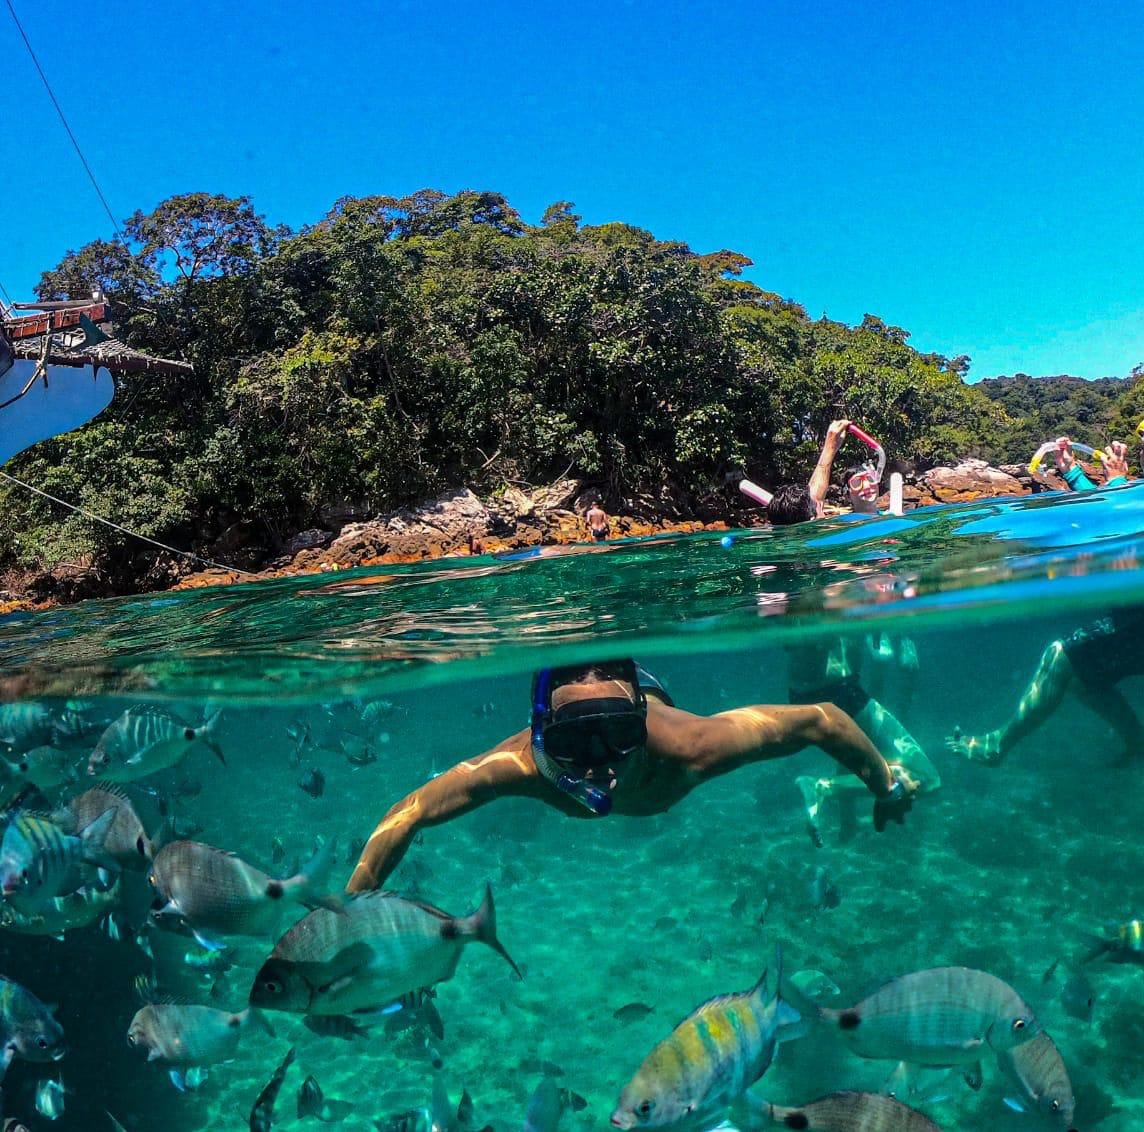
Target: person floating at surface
(799,503)
(597,520)
(832,671)
(1115,462)
(1092,661)
(606,737)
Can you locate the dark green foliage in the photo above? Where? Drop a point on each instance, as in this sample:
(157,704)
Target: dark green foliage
(1043,408)
(402,345)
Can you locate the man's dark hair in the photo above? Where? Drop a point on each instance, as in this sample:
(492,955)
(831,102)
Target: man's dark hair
(792,503)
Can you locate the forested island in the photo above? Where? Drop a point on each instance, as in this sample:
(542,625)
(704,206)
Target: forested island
(402,346)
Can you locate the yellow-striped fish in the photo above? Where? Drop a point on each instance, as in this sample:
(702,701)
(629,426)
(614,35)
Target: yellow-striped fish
(692,1078)
(1120,943)
(39,860)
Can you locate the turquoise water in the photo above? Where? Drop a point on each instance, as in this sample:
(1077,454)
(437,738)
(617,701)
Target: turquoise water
(401,672)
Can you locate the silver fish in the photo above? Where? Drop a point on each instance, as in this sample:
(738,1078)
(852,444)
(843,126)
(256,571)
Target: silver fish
(214,891)
(313,1102)
(126,840)
(184,1034)
(61,914)
(25,724)
(50,1098)
(1037,1068)
(146,739)
(30,1032)
(940,1016)
(1078,996)
(704,1067)
(824,893)
(548,1104)
(850,1112)
(39,860)
(377,949)
(47,767)
(262,1115)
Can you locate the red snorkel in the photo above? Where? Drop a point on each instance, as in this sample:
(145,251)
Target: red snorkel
(871,443)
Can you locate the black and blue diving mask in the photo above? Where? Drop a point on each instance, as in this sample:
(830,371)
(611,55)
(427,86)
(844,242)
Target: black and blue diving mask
(581,737)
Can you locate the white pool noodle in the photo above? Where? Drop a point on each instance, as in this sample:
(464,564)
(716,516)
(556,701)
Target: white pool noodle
(757,494)
(895,493)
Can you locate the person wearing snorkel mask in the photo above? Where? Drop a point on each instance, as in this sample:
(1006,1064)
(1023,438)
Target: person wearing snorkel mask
(605,738)
(831,670)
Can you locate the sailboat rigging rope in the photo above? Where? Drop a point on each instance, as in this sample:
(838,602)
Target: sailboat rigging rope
(60,112)
(124,530)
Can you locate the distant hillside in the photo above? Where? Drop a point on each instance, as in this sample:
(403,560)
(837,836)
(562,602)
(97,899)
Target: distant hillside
(1041,408)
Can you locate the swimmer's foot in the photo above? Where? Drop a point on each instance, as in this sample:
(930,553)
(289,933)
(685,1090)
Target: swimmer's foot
(977,748)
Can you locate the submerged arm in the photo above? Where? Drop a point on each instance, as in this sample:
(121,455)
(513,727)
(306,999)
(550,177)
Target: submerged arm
(750,734)
(508,769)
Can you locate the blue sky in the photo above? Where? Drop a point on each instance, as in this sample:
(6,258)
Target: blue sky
(968,171)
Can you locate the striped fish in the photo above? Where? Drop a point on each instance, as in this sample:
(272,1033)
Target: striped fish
(215,891)
(186,1034)
(850,1112)
(262,1115)
(146,739)
(39,861)
(1038,1069)
(940,1016)
(693,1077)
(62,913)
(1121,943)
(365,957)
(126,840)
(24,725)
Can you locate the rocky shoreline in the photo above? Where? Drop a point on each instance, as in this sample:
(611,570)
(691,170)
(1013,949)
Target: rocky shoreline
(514,519)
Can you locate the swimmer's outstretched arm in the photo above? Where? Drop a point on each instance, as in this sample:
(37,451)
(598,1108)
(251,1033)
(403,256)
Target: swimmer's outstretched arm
(714,745)
(508,769)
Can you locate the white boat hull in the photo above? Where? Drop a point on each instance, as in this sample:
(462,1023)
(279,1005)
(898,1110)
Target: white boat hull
(72,396)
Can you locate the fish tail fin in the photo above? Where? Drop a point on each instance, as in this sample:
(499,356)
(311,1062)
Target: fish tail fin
(93,836)
(309,887)
(256,1015)
(1097,946)
(206,732)
(482,924)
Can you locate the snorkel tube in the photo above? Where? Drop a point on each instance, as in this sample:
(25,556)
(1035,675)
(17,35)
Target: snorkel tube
(591,797)
(874,446)
(1075,445)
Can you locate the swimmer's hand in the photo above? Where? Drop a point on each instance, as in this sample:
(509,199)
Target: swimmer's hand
(895,805)
(976,748)
(1115,460)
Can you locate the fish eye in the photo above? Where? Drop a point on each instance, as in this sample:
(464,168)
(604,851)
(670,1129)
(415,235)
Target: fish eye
(42,1043)
(645,1108)
(1018,1023)
(273,986)
(188,732)
(152,881)
(130,1039)
(1055,1106)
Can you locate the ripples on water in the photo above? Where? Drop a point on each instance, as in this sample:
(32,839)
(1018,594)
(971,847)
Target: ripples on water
(399,672)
